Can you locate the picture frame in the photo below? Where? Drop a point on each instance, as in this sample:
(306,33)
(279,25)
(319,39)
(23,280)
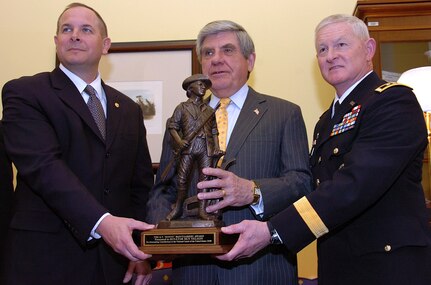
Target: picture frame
(151,73)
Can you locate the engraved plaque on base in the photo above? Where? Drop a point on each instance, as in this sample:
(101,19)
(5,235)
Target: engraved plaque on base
(187,237)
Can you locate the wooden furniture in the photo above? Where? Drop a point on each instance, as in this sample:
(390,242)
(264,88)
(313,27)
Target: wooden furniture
(402,30)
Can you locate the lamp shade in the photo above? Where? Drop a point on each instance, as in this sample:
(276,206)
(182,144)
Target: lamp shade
(420,80)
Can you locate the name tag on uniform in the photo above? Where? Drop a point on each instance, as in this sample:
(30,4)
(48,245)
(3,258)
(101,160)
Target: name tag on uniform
(347,123)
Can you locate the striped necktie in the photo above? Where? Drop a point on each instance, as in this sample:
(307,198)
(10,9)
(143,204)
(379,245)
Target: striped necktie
(96,110)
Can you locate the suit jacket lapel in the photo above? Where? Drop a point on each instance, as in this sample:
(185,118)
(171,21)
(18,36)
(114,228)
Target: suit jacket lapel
(323,127)
(254,108)
(113,110)
(68,93)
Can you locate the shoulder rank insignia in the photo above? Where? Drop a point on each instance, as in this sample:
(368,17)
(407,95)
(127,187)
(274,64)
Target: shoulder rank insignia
(388,85)
(347,123)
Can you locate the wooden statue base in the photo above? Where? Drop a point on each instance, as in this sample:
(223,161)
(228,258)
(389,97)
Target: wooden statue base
(187,237)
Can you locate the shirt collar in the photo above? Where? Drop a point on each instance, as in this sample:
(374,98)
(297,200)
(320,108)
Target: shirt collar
(81,84)
(238,98)
(348,91)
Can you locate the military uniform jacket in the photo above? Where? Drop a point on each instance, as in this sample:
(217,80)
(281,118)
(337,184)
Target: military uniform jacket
(368,205)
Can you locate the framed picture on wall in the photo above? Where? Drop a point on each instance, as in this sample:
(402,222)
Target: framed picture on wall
(151,74)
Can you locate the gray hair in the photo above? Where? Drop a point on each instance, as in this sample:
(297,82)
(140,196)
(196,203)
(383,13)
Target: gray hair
(358,26)
(245,42)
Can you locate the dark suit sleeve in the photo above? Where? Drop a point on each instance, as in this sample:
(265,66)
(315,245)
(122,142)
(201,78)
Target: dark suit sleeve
(294,180)
(6,189)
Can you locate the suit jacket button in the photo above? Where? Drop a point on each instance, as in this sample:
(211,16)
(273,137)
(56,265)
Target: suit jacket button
(317,182)
(388,248)
(335,151)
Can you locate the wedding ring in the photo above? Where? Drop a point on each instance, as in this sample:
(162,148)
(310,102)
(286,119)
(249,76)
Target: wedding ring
(224,192)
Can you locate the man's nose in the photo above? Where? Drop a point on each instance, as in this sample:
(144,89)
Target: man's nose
(217,57)
(75,36)
(332,54)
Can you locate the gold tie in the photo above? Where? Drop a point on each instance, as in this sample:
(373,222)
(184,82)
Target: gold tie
(222,119)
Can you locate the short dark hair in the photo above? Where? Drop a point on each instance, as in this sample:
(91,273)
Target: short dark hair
(104,28)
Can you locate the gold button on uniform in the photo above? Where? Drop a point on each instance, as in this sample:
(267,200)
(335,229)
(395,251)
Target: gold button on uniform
(335,151)
(388,248)
(317,182)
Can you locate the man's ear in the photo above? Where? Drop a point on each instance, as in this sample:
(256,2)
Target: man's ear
(251,60)
(106,45)
(370,45)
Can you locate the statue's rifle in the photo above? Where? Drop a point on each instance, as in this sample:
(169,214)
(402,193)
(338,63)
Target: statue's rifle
(178,152)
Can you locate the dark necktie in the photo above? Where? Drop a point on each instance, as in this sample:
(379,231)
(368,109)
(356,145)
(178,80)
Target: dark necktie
(336,108)
(96,110)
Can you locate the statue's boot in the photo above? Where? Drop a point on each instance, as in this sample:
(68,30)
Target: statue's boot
(177,209)
(203,213)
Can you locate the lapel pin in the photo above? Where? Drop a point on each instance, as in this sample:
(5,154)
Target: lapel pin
(256,111)
(117,105)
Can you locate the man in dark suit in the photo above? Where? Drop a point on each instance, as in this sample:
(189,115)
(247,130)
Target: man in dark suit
(82,181)
(368,210)
(267,137)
